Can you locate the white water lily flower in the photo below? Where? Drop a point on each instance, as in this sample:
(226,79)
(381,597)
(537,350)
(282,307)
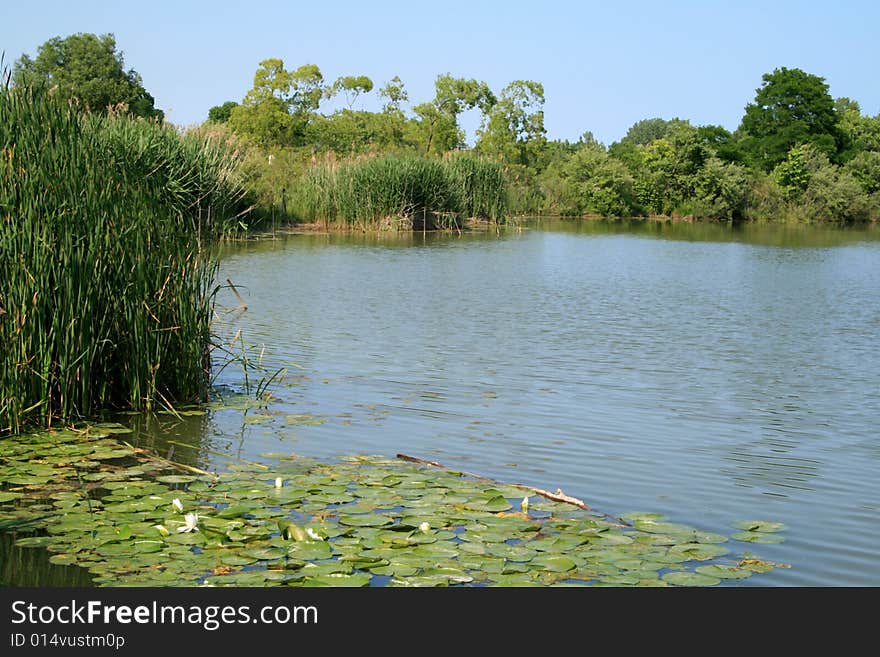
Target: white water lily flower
(524,505)
(278,482)
(424,527)
(191,519)
(161,529)
(177,505)
(313,535)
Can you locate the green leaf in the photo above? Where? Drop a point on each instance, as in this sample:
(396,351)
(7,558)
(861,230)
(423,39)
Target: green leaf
(35,541)
(494,504)
(63,559)
(757,537)
(339,579)
(366,520)
(699,551)
(237,560)
(724,572)
(264,553)
(513,580)
(690,579)
(553,563)
(176,479)
(310,550)
(453,575)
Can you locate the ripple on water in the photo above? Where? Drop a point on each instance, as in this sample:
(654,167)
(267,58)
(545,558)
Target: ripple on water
(708,374)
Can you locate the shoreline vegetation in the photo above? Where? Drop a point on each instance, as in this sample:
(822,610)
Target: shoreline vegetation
(799,155)
(106,258)
(112,214)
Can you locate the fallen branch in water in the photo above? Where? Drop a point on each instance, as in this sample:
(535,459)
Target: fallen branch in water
(220,454)
(173,464)
(558,496)
(413,459)
(243,305)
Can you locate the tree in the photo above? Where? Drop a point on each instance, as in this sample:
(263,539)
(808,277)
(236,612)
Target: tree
(790,108)
(589,182)
(514,131)
(352,87)
(721,190)
(86,68)
(720,141)
(861,133)
(280,105)
(221,113)
(665,170)
(438,119)
(394,93)
(642,133)
(865,168)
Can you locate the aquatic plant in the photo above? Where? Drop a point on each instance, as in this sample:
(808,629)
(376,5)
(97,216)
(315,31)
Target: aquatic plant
(133,519)
(401,192)
(105,273)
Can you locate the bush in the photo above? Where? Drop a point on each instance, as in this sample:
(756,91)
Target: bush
(721,191)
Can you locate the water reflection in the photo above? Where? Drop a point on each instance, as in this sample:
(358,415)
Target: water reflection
(31,566)
(712,373)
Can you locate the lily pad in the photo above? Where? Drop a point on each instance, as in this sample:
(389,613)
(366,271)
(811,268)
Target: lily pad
(176,479)
(758,537)
(366,520)
(699,551)
(35,541)
(339,579)
(724,572)
(554,563)
(310,550)
(690,579)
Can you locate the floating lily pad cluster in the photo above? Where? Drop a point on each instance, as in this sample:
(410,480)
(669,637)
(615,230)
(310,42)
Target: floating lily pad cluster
(363,521)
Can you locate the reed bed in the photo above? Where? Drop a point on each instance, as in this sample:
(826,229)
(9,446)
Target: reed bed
(401,191)
(479,187)
(106,272)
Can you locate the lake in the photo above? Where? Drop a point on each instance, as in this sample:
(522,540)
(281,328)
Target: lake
(707,373)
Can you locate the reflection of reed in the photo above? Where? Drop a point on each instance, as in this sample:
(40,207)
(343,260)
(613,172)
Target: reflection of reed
(165,434)
(31,567)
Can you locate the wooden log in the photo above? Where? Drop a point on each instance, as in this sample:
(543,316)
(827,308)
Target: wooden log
(558,496)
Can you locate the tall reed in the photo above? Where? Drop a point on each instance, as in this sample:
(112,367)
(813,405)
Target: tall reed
(105,276)
(478,186)
(405,191)
(196,172)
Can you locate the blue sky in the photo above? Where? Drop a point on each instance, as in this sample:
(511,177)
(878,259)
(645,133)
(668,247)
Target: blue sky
(604,65)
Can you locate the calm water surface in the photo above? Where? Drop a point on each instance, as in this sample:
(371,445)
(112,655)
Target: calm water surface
(710,374)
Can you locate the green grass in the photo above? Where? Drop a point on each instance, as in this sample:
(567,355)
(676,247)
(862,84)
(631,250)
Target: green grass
(401,191)
(105,272)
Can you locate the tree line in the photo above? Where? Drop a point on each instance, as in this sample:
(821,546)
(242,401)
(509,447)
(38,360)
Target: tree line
(798,154)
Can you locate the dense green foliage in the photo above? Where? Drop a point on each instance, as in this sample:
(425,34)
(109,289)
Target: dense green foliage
(799,155)
(410,191)
(221,113)
(87,68)
(791,108)
(105,298)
